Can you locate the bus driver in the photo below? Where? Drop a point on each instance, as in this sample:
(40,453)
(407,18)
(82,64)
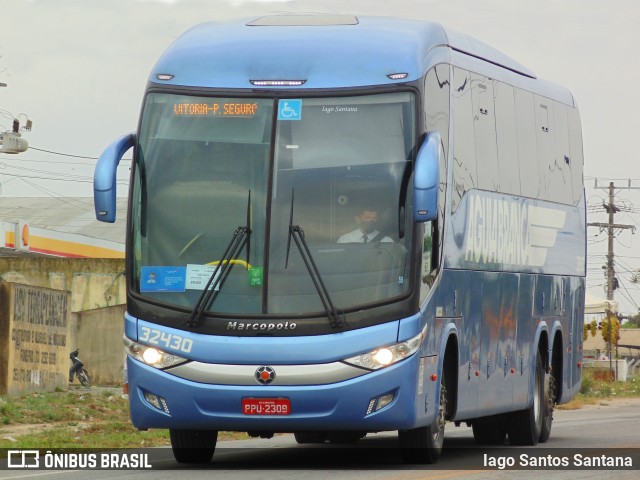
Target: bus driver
(366,232)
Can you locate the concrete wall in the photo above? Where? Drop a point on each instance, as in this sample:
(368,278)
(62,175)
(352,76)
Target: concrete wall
(34,339)
(93,282)
(614,369)
(99,336)
(92,287)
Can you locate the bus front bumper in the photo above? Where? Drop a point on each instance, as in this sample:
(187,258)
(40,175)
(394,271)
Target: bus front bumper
(161,400)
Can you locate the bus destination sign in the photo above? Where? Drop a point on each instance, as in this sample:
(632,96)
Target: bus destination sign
(216,109)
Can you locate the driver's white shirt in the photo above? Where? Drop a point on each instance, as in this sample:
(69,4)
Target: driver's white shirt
(356,236)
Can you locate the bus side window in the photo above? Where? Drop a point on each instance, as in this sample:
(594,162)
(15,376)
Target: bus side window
(437,88)
(527,144)
(436,105)
(545,129)
(484,127)
(506,138)
(464,152)
(576,159)
(561,178)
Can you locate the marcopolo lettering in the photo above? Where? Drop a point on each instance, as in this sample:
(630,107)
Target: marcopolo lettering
(260,326)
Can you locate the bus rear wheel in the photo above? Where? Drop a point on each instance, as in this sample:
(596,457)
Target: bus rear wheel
(548,405)
(525,426)
(193,446)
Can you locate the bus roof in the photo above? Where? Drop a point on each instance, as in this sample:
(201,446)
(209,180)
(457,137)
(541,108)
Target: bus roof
(322,51)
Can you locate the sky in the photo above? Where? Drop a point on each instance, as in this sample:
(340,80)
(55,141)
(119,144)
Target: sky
(78,69)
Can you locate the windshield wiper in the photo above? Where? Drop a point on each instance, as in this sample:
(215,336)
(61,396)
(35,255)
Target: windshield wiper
(240,238)
(336,317)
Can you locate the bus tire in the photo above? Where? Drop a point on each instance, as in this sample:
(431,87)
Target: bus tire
(548,405)
(424,444)
(193,446)
(310,437)
(525,426)
(489,432)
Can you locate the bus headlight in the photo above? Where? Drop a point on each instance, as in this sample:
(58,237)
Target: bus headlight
(151,356)
(388,355)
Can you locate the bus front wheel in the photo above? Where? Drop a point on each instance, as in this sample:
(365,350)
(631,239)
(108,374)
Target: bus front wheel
(193,446)
(424,444)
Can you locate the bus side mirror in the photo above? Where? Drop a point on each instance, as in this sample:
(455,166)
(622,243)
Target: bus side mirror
(426,179)
(104,178)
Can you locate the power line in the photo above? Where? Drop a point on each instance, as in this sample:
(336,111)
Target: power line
(70,154)
(63,154)
(48,161)
(88,180)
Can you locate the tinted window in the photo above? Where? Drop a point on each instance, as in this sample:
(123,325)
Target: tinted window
(484,127)
(576,157)
(436,109)
(464,151)
(561,178)
(507,141)
(547,165)
(527,145)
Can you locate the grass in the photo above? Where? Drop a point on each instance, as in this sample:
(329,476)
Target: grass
(100,419)
(595,384)
(86,419)
(71,419)
(595,388)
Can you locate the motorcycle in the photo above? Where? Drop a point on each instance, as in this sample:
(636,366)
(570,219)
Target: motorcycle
(77,369)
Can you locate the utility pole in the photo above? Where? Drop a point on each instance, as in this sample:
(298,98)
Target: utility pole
(12,141)
(610,226)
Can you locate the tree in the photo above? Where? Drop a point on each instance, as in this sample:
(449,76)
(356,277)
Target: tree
(633,321)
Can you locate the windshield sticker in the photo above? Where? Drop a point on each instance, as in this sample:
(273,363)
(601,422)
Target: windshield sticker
(162,279)
(199,275)
(290,109)
(255,276)
(338,109)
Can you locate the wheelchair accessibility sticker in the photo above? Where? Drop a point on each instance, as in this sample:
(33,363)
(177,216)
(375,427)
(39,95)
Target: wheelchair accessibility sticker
(162,279)
(290,109)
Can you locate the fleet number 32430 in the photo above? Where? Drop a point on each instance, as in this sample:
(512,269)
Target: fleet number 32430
(168,340)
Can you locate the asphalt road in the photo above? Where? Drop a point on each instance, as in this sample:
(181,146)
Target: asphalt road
(610,428)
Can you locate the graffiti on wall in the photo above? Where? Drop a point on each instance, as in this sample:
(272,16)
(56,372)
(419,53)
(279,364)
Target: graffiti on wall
(38,350)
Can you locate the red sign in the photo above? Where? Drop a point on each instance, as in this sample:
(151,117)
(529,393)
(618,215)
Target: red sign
(266,406)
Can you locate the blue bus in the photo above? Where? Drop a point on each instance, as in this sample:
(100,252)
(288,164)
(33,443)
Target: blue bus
(340,225)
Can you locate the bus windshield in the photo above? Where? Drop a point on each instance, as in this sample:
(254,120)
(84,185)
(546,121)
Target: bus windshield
(331,166)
